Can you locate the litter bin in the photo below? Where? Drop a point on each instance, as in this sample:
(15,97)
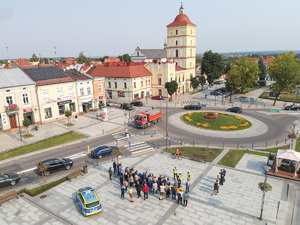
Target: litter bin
(85,169)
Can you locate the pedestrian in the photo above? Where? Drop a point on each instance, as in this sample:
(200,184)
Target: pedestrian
(130,180)
(216,187)
(126,184)
(188,176)
(224,172)
(138,189)
(144,183)
(186,197)
(162,192)
(175,173)
(126,177)
(179,180)
(179,194)
(122,192)
(154,187)
(158,183)
(118,169)
(222,178)
(76,117)
(150,184)
(176,183)
(168,181)
(187,186)
(130,194)
(110,172)
(168,190)
(114,166)
(136,178)
(145,190)
(173,190)
(121,179)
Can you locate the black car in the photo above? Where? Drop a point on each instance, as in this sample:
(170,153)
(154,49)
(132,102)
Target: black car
(216,92)
(137,103)
(102,151)
(235,109)
(9,179)
(292,107)
(193,106)
(126,106)
(53,165)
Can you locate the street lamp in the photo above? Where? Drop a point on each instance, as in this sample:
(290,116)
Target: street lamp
(267,169)
(294,124)
(167,126)
(19,125)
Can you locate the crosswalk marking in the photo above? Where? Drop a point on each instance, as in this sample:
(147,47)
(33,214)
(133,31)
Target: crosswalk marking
(138,148)
(121,135)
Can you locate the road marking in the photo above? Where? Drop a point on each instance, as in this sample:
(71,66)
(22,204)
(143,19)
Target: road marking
(78,156)
(24,171)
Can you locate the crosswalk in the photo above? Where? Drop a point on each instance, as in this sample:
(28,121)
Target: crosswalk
(121,135)
(139,148)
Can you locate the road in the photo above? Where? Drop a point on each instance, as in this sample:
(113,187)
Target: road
(278,130)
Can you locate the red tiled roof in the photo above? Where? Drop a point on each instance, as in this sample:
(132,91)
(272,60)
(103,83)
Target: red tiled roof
(85,68)
(121,72)
(63,65)
(112,59)
(268,59)
(181,20)
(90,70)
(177,68)
(75,75)
(115,64)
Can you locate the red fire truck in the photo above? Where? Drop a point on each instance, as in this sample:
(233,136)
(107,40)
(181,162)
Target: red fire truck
(147,118)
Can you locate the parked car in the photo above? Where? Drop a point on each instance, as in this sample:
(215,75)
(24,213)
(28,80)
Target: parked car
(235,109)
(126,106)
(137,103)
(158,97)
(9,179)
(193,106)
(292,107)
(216,92)
(88,201)
(108,103)
(53,165)
(99,152)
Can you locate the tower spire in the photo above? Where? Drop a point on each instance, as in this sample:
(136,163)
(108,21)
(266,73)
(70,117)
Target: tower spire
(181,10)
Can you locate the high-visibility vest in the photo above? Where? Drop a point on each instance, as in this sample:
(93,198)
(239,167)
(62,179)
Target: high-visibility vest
(189,176)
(180,177)
(175,171)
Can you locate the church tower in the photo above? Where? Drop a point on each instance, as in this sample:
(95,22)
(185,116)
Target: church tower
(181,45)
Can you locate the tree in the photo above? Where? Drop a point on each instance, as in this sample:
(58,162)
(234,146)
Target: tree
(227,68)
(34,58)
(248,71)
(195,83)
(212,65)
(82,58)
(171,87)
(125,58)
(26,123)
(202,81)
(264,187)
(68,113)
(285,70)
(233,81)
(263,69)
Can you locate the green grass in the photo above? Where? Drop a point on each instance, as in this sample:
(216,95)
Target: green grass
(210,153)
(282,97)
(72,136)
(232,157)
(297,145)
(38,190)
(69,124)
(275,149)
(246,90)
(27,135)
(215,124)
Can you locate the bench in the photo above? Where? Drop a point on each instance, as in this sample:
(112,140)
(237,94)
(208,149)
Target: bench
(8,196)
(74,174)
(199,157)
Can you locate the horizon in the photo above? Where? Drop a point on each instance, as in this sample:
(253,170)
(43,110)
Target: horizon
(100,28)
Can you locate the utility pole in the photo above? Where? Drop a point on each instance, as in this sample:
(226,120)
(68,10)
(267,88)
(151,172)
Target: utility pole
(167,126)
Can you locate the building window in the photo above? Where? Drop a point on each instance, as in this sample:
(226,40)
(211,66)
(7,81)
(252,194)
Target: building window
(48,113)
(183,78)
(116,85)
(109,85)
(142,83)
(191,76)
(9,100)
(178,79)
(81,91)
(134,84)
(191,41)
(176,53)
(59,92)
(191,52)
(72,107)
(101,88)
(159,81)
(45,94)
(159,92)
(70,90)
(176,32)
(125,85)
(61,109)
(89,91)
(171,78)
(149,82)
(176,42)
(25,98)
(190,63)
(146,83)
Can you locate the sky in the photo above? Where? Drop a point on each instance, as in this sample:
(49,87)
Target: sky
(116,27)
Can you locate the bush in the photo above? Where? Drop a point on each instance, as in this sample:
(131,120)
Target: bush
(211,114)
(271,157)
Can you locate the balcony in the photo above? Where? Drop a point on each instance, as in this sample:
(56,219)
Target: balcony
(11,108)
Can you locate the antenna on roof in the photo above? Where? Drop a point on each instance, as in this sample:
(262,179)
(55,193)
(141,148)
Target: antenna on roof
(55,53)
(7,52)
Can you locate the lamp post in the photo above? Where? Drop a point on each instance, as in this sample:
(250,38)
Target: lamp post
(167,126)
(294,124)
(267,169)
(19,125)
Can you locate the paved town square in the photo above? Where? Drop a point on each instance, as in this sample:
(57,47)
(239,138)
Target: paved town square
(238,201)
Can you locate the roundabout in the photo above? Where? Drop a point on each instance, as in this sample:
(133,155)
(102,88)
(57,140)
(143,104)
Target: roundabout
(216,121)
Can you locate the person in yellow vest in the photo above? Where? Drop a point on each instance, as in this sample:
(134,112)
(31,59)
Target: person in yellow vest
(175,173)
(179,179)
(188,176)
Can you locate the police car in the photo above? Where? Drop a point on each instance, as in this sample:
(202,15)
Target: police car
(88,201)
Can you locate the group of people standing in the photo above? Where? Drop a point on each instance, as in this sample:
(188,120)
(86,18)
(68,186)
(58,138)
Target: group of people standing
(220,180)
(147,182)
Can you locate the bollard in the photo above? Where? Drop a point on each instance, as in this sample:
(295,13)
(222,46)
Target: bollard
(266,144)
(276,143)
(88,148)
(181,142)
(237,145)
(193,143)
(252,145)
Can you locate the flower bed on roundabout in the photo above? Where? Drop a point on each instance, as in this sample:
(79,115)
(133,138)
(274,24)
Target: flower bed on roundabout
(216,121)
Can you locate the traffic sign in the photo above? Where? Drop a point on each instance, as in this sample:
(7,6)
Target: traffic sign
(87,139)
(272,110)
